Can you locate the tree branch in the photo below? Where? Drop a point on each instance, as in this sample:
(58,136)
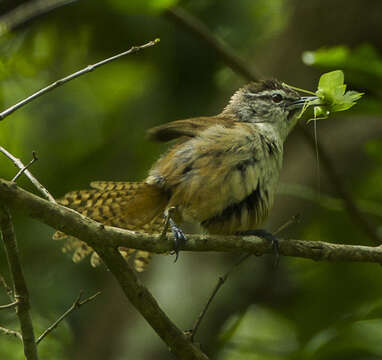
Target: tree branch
(76,305)
(99,235)
(20,288)
(66,79)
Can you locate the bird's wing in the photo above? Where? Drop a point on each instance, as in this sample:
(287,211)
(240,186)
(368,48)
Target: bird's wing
(188,127)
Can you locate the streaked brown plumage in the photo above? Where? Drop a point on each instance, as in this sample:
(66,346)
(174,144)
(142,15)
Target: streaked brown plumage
(221,173)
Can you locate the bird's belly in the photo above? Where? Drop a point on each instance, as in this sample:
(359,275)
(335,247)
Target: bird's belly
(242,201)
(246,214)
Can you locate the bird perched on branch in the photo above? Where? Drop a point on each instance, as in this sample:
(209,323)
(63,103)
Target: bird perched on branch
(222,172)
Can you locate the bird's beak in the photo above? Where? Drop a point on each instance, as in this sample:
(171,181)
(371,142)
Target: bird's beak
(304,101)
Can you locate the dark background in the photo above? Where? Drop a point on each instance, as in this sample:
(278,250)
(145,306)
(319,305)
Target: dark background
(93,128)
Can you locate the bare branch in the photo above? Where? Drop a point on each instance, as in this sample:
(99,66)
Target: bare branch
(10,305)
(76,305)
(66,79)
(9,332)
(96,234)
(136,292)
(21,291)
(106,240)
(28,174)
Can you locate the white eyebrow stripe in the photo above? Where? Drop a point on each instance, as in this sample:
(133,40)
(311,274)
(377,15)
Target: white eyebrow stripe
(269,93)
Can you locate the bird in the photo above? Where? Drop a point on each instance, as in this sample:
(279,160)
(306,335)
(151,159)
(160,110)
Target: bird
(220,172)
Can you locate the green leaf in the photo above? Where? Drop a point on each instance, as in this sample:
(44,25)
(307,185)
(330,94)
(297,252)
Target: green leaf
(332,95)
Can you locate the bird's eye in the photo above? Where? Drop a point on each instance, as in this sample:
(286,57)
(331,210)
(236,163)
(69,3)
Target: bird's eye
(277,98)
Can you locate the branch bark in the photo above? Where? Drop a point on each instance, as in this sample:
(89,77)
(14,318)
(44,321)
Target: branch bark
(20,287)
(98,235)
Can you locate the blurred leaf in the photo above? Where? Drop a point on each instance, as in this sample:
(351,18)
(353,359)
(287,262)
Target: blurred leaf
(374,148)
(345,341)
(259,333)
(363,59)
(139,6)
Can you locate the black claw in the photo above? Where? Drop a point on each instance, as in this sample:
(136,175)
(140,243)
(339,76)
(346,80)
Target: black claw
(179,238)
(267,236)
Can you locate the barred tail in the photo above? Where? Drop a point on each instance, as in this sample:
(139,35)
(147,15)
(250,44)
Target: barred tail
(129,205)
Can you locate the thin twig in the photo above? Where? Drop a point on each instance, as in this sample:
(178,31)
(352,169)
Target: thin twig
(76,305)
(7,288)
(21,171)
(28,174)
(10,332)
(220,283)
(66,79)
(20,287)
(223,279)
(293,220)
(10,305)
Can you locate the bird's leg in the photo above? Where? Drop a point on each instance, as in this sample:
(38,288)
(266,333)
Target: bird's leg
(264,234)
(179,237)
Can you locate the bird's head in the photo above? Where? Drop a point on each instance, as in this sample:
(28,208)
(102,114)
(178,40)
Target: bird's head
(268,102)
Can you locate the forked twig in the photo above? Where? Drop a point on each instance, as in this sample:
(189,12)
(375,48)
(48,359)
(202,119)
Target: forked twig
(76,304)
(24,169)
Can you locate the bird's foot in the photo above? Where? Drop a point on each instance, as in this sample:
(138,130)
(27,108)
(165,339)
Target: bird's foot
(179,237)
(264,234)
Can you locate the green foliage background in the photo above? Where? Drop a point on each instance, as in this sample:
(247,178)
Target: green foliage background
(94,129)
